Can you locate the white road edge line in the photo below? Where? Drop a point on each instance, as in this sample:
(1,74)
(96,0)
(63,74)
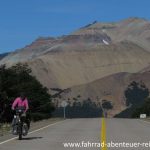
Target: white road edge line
(32,131)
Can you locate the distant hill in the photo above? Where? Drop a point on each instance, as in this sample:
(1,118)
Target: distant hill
(110,88)
(3,55)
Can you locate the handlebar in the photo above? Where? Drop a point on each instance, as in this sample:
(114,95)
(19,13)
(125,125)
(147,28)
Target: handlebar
(20,110)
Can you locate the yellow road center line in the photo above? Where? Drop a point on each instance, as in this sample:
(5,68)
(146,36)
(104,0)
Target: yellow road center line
(103,135)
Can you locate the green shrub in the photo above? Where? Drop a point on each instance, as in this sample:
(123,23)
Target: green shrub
(17,79)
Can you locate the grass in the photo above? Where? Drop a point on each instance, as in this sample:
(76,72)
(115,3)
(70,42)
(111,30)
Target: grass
(4,128)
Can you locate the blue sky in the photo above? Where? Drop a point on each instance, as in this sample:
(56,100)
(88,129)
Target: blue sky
(22,21)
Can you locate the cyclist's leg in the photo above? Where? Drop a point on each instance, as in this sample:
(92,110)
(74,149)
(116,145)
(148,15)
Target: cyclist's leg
(28,120)
(14,121)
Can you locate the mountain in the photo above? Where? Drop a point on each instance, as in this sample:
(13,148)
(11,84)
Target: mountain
(73,64)
(97,56)
(133,29)
(3,55)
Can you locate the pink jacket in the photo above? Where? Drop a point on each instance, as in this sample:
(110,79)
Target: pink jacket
(19,102)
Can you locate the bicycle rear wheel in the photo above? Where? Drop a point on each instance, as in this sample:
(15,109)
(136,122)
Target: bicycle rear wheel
(20,131)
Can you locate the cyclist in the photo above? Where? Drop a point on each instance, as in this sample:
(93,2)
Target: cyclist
(21,101)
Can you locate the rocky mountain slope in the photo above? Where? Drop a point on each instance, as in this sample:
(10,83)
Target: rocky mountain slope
(134,29)
(93,56)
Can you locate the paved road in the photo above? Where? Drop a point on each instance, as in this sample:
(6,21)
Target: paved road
(128,130)
(78,130)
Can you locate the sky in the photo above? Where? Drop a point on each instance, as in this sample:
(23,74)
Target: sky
(23,21)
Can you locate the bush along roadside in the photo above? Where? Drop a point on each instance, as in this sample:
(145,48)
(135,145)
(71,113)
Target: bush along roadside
(17,79)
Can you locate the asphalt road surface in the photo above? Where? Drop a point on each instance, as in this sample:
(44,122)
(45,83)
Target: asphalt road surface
(53,136)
